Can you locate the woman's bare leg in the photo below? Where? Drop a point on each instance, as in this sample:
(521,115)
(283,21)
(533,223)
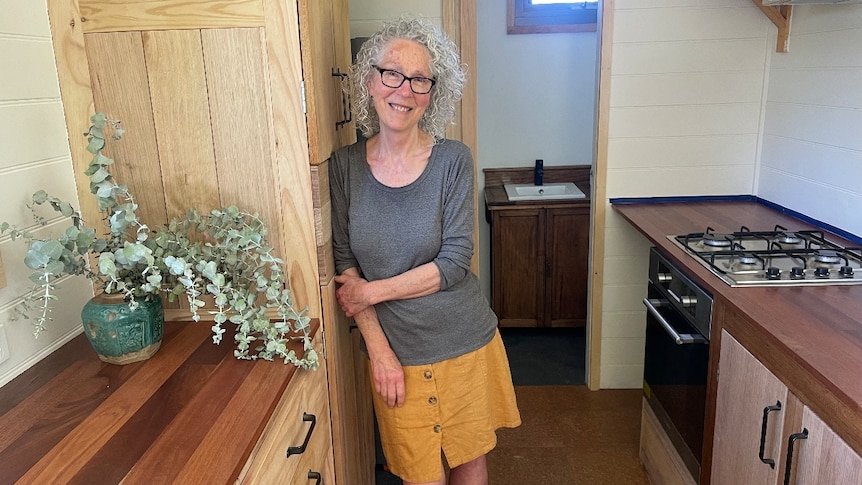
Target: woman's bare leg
(473,472)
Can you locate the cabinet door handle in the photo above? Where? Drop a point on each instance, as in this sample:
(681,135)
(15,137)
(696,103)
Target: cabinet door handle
(315,476)
(790,441)
(766,411)
(298,450)
(346,109)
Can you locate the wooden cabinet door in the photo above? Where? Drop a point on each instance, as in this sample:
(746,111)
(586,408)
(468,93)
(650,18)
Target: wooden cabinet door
(567,266)
(824,457)
(350,398)
(325,38)
(518,269)
(210,95)
(745,388)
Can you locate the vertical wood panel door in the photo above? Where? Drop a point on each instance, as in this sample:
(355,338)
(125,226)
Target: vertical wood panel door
(518,270)
(352,418)
(209,93)
(824,457)
(325,38)
(745,388)
(345,127)
(567,266)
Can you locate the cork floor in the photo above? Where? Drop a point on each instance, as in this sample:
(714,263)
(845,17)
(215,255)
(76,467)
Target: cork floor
(569,435)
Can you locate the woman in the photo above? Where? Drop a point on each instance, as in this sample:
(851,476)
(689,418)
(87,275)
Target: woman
(402,207)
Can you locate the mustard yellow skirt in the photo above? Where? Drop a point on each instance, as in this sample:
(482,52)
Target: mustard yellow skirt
(453,407)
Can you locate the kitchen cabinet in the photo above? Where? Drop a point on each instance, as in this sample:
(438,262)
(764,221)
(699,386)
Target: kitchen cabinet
(226,103)
(539,264)
(756,415)
(297,441)
(349,389)
(823,457)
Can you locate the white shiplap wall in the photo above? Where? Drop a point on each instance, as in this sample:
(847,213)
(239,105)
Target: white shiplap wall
(367,16)
(35,156)
(687,83)
(811,160)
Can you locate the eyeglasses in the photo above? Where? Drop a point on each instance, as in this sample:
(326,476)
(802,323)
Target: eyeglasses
(394,79)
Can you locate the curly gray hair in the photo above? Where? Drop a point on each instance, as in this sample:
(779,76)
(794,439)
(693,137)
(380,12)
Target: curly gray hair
(445,68)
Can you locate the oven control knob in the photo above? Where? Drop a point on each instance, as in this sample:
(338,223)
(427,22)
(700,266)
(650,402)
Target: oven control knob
(821,272)
(797,273)
(773,273)
(664,277)
(846,271)
(688,301)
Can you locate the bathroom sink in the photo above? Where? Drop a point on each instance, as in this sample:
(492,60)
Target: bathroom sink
(549,191)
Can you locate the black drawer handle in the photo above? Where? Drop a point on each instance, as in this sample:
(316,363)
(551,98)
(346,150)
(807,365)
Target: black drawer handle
(315,476)
(766,411)
(298,450)
(790,441)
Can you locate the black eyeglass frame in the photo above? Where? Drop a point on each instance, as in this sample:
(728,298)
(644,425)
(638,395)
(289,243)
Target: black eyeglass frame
(382,70)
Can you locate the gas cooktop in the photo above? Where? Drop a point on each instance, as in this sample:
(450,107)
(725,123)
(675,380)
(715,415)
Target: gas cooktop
(776,257)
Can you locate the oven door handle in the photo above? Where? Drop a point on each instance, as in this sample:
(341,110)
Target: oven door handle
(680,339)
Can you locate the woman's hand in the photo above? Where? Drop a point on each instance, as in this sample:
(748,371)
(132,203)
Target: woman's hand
(388,377)
(350,295)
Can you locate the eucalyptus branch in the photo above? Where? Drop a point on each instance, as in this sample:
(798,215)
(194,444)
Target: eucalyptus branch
(223,253)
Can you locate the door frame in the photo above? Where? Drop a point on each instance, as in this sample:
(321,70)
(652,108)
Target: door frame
(459,22)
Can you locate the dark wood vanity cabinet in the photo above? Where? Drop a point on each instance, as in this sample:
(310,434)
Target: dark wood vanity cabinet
(539,264)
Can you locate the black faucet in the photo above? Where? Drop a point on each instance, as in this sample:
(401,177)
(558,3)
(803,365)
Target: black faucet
(539,173)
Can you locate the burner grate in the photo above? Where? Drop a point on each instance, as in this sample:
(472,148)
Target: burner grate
(779,256)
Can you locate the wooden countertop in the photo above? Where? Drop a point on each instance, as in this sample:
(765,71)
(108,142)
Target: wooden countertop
(809,336)
(190,413)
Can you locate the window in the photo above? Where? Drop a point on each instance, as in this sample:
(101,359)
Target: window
(548,16)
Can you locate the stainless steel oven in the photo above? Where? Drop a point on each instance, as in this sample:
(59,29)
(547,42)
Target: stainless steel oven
(676,356)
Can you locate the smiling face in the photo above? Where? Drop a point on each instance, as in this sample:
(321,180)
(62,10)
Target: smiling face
(400,109)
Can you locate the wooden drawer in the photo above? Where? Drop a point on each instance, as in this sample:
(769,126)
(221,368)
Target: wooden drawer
(268,463)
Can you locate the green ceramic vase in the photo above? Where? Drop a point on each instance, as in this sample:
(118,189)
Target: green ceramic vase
(120,335)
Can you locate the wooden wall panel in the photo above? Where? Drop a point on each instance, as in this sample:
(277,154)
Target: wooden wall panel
(120,90)
(125,15)
(240,121)
(181,111)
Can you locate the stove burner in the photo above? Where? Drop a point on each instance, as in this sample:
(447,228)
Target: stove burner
(716,240)
(827,257)
(790,239)
(748,259)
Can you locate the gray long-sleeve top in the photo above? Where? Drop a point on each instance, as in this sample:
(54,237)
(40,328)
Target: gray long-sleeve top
(385,231)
